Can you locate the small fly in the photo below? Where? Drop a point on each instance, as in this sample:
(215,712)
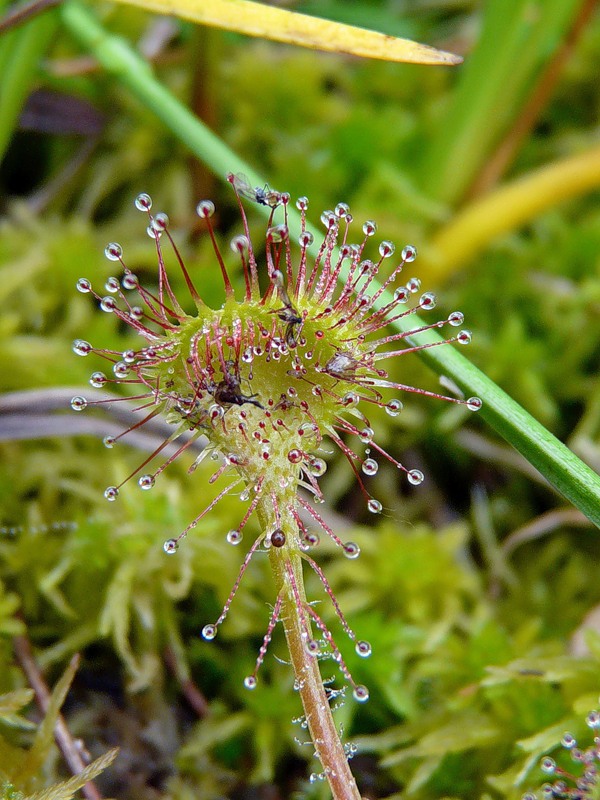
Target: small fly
(288,314)
(264,197)
(229,392)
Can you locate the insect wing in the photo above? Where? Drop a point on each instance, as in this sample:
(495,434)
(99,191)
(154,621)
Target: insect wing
(244,189)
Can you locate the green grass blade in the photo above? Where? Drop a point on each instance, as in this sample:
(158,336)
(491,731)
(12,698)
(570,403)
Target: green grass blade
(567,473)
(517,39)
(20,53)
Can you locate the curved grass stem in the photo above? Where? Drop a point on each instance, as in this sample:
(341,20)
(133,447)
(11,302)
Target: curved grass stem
(509,207)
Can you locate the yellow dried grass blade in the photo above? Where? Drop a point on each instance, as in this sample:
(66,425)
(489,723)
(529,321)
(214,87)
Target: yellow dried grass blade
(256,19)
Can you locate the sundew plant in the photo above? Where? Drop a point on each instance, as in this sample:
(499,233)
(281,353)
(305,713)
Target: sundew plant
(267,379)
(314,570)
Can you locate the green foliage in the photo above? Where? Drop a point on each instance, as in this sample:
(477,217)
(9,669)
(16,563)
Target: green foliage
(477,667)
(20,767)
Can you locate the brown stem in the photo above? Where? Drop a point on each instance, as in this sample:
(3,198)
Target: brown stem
(17,16)
(542,525)
(190,691)
(499,162)
(323,730)
(64,740)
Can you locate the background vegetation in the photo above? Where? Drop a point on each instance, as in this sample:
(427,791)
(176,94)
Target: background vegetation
(478,590)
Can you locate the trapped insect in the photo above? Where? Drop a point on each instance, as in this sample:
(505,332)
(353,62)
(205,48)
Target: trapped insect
(264,197)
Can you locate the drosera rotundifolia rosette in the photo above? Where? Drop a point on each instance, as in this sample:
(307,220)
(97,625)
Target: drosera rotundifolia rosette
(266,378)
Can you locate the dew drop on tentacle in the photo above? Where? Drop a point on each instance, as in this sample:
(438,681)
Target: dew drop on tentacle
(278,233)
(370,466)
(474,403)
(240,244)
(171,546)
(112,285)
(146,482)
(83,285)
(568,741)
(548,765)
(121,369)
(108,304)
(234,536)
(305,239)
(593,719)
(143,202)
(427,301)
(209,632)
(108,441)
(409,253)
(98,380)
(328,219)
(351,550)
(374,506)
(360,693)
(160,222)
(81,347)
(350,400)
(113,251)
(250,682)
(393,407)
(311,539)
(386,249)
(312,647)
(369,228)
(111,493)
(366,435)
(205,209)
(464,337)
(78,403)
(363,649)
(130,281)
(401,294)
(317,467)
(456,318)
(415,476)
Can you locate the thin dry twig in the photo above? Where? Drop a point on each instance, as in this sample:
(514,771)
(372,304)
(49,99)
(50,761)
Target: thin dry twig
(545,523)
(39,413)
(189,689)
(67,745)
(20,14)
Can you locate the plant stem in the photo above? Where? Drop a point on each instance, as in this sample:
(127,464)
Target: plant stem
(324,733)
